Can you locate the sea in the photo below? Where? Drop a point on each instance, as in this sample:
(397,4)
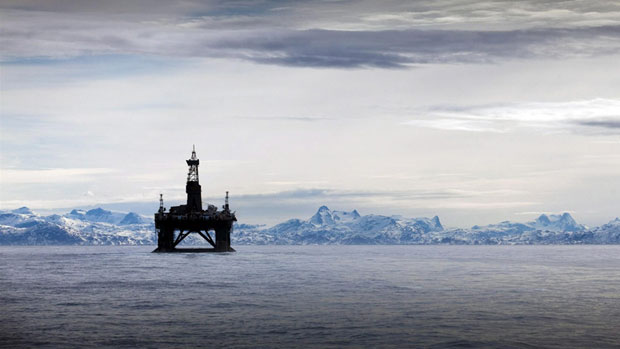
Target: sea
(311,297)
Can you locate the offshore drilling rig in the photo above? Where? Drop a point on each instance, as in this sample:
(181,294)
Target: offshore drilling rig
(191,218)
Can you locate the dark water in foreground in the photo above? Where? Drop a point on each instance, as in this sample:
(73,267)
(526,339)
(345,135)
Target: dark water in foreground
(318,296)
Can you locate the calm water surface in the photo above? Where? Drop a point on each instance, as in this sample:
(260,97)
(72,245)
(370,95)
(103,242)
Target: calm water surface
(312,296)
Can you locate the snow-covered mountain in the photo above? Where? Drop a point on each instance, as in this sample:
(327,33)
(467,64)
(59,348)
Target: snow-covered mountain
(546,229)
(563,222)
(340,227)
(608,233)
(94,227)
(103,227)
(99,215)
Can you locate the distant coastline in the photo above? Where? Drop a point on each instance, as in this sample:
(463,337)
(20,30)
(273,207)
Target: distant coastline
(326,227)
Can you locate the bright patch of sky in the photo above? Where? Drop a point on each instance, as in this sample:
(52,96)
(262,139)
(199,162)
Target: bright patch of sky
(474,111)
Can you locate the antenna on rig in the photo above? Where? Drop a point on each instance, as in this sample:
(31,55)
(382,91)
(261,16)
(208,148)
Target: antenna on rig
(226,207)
(161,203)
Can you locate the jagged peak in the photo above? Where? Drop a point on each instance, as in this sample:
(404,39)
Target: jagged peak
(543,218)
(322,216)
(325,216)
(345,216)
(22,210)
(557,222)
(323,209)
(566,217)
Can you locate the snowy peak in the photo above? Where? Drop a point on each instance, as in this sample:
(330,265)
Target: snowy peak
(98,215)
(132,218)
(543,220)
(23,210)
(613,223)
(17,216)
(436,223)
(325,216)
(550,223)
(563,222)
(322,217)
(345,217)
(98,212)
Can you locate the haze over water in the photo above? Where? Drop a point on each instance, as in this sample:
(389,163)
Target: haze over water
(317,296)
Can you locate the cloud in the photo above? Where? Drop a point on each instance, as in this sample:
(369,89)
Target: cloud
(612,124)
(403,48)
(347,15)
(575,116)
(453,124)
(265,38)
(96,83)
(331,194)
(288,118)
(55,175)
(538,213)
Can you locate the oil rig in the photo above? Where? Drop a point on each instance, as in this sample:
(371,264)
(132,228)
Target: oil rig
(191,218)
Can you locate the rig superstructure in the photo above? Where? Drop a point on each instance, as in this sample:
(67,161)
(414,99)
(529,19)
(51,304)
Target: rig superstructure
(191,218)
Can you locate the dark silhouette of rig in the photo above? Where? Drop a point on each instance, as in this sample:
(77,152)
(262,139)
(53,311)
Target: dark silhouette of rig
(191,218)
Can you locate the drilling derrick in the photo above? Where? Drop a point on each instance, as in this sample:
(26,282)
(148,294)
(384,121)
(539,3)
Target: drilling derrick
(174,226)
(192,188)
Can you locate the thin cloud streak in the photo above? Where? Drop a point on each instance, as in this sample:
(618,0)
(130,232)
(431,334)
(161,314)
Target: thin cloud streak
(55,175)
(576,116)
(603,123)
(288,118)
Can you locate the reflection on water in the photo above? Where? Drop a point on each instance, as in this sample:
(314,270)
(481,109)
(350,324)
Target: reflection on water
(322,296)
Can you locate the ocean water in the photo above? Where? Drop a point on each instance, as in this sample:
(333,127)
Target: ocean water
(312,296)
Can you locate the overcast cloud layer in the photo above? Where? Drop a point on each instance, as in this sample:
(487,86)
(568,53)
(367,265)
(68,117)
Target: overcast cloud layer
(478,111)
(312,36)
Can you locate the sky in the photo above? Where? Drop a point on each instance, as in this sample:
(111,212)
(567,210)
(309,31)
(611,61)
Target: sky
(475,111)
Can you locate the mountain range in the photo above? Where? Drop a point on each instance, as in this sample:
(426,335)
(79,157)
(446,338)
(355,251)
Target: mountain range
(102,227)
(93,227)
